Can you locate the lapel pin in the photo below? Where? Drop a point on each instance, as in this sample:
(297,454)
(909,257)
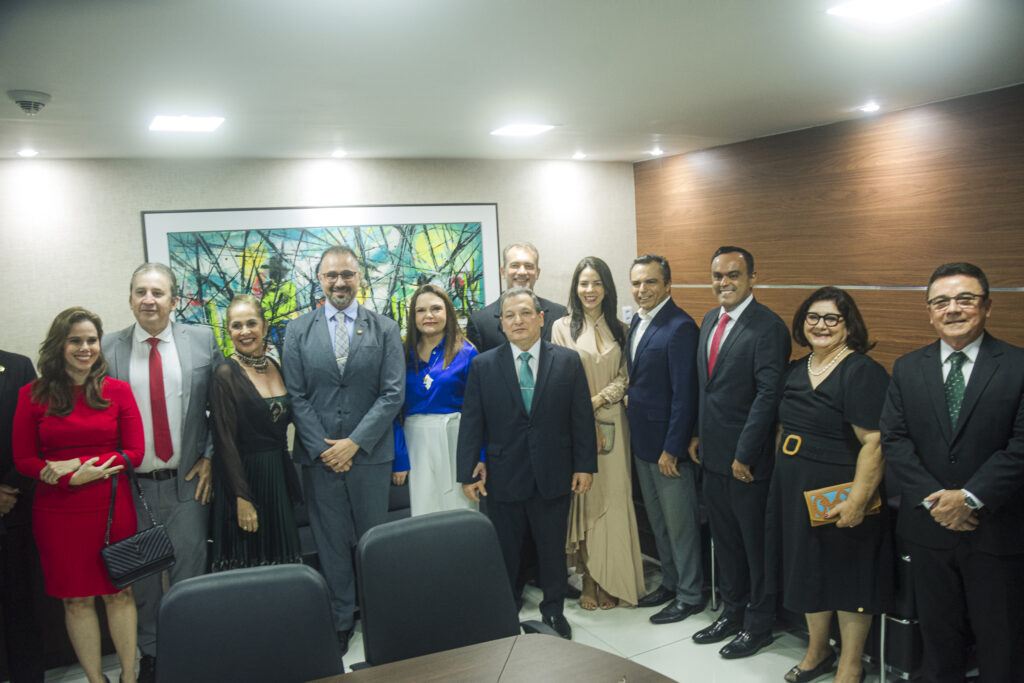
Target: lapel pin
(359,331)
(2,369)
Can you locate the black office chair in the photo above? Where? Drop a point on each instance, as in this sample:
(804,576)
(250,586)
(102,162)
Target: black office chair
(433,583)
(263,624)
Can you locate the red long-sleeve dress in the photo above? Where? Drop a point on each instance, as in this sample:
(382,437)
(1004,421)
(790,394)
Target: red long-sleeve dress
(70,521)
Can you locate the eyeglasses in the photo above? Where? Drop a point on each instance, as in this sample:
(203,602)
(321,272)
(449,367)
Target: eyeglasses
(830,319)
(346,275)
(963,300)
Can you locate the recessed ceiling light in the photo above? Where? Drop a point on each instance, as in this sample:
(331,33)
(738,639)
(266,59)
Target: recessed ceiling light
(522,129)
(656,152)
(579,156)
(186,124)
(28,153)
(883,11)
(338,153)
(870,108)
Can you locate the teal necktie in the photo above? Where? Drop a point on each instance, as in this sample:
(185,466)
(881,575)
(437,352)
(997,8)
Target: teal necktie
(526,379)
(955,386)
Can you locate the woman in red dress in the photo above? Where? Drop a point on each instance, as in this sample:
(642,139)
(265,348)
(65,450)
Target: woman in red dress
(71,427)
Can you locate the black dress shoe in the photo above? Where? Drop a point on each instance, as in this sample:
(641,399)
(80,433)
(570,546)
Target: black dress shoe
(677,610)
(798,675)
(721,629)
(560,625)
(746,644)
(343,638)
(572,592)
(659,596)
(147,669)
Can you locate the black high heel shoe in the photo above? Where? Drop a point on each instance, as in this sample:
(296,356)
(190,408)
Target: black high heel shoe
(798,675)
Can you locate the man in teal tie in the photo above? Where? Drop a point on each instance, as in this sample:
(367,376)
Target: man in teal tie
(528,403)
(953,437)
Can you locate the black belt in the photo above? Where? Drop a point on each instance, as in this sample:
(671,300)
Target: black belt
(158,475)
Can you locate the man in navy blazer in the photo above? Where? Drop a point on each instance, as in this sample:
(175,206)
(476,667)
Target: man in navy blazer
(662,410)
(528,402)
(953,437)
(743,352)
(345,371)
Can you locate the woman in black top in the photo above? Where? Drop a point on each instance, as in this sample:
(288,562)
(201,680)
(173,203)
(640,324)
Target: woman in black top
(828,435)
(255,483)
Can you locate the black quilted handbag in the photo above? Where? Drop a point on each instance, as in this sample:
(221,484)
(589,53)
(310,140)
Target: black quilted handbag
(136,557)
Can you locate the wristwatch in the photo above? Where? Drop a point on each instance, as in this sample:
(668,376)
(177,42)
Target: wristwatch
(970,501)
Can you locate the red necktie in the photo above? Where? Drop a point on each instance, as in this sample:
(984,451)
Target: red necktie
(158,404)
(716,341)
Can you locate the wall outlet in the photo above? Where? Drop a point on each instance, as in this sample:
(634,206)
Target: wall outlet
(627,313)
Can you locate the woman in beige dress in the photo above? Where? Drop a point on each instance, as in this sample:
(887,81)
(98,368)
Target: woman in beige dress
(602,543)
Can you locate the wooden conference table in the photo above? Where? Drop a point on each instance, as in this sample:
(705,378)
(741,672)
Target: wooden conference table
(523,658)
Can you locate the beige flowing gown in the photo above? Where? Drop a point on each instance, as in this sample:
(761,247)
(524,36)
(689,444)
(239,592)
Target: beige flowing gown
(602,523)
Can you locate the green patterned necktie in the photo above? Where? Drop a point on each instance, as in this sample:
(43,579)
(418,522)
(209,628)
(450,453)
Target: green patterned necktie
(526,379)
(955,385)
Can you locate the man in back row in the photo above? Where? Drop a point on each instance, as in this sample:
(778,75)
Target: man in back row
(520,267)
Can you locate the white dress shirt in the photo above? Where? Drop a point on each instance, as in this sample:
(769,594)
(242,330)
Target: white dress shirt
(138,377)
(645,322)
(534,352)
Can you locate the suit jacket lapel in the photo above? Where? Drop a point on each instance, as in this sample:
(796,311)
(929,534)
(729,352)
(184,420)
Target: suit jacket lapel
(653,328)
(702,347)
(543,371)
(985,368)
(633,324)
(739,327)
(507,369)
(323,345)
(183,347)
(931,375)
(359,331)
(120,362)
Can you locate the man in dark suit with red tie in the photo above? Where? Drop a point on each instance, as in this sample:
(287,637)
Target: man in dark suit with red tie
(953,438)
(742,355)
(528,402)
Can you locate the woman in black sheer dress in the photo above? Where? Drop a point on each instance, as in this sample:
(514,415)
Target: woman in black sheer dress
(255,484)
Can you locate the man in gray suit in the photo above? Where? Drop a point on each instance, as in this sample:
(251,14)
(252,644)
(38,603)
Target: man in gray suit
(345,370)
(170,369)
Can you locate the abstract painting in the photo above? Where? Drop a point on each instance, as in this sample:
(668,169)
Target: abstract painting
(273,255)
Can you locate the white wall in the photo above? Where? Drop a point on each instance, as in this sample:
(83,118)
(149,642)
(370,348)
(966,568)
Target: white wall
(71,231)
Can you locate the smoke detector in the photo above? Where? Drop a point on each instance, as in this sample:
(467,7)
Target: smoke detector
(30,101)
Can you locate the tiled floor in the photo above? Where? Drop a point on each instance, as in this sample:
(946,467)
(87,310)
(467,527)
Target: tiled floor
(625,632)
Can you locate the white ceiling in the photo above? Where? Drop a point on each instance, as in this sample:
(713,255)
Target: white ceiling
(431,78)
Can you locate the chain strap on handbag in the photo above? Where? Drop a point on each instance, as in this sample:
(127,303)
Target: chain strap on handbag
(147,552)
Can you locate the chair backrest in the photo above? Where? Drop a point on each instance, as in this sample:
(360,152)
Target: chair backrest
(260,624)
(432,583)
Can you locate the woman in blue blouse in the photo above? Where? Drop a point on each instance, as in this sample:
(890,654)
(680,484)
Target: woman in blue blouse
(437,363)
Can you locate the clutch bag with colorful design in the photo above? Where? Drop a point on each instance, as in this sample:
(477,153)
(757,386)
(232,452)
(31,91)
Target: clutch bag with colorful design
(822,501)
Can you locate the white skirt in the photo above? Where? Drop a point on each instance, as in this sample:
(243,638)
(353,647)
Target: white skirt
(432,441)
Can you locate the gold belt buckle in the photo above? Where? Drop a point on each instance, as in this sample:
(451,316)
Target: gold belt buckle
(792,444)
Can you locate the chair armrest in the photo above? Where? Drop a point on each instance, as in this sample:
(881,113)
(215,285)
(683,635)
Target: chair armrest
(534,626)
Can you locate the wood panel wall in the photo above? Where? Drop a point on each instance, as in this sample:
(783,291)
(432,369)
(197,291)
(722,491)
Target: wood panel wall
(875,202)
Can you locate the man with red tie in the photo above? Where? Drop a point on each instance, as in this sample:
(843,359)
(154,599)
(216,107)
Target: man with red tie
(741,358)
(170,368)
